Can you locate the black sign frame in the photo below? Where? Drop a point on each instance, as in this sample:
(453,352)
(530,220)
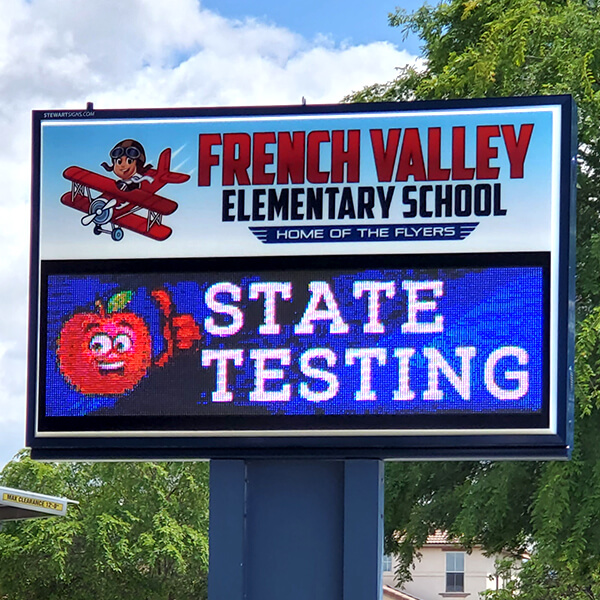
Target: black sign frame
(445,437)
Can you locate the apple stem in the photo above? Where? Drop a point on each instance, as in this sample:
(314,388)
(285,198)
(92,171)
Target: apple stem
(100,308)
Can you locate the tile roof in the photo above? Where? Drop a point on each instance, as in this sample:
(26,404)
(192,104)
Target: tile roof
(390,593)
(440,538)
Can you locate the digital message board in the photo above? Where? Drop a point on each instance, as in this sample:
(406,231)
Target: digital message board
(385,280)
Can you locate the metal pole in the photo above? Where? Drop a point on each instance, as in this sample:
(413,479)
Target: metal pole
(296,528)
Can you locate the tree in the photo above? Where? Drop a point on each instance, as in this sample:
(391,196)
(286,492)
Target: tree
(479,48)
(140,531)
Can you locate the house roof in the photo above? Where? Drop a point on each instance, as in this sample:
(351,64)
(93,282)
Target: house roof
(390,593)
(440,538)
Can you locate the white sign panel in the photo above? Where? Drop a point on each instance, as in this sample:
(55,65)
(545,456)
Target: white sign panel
(411,181)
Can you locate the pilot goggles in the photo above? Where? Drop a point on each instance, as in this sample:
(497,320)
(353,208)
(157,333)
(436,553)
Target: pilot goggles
(129,152)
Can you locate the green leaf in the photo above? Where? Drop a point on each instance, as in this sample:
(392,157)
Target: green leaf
(119,301)
(495,48)
(140,531)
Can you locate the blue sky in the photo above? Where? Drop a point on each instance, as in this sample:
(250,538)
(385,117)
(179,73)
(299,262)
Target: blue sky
(145,53)
(352,21)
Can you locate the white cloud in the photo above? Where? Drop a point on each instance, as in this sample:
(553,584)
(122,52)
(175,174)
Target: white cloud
(207,78)
(140,53)
(148,53)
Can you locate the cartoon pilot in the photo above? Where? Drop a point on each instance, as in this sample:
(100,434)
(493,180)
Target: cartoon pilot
(128,164)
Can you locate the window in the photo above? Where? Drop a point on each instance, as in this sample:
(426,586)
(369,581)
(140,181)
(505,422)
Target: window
(455,571)
(387,563)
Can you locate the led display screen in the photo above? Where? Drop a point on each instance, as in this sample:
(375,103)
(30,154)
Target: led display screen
(335,343)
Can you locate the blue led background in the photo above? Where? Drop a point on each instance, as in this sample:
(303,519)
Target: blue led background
(484,308)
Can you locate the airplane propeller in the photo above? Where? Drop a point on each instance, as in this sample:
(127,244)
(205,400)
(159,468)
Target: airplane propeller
(99,212)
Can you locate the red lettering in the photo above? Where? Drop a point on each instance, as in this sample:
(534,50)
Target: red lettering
(517,148)
(206,159)
(350,156)
(485,152)
(385,155)
(434,153)
(411,157)
(236,158)
(290,157)
(313,158)
(459,170)
(261,158)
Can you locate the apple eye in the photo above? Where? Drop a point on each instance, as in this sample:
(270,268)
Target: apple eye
(100,343)
(122,343)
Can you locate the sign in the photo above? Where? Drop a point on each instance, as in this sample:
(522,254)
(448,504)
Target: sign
(29,501)
(387,280)
(19,504)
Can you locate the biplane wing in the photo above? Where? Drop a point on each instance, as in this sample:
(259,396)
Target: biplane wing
(133,222)
(109,190)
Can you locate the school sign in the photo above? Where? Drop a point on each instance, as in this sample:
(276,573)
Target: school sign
(385,280)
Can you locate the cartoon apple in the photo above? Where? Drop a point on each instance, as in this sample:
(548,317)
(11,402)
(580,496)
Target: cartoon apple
(106,352)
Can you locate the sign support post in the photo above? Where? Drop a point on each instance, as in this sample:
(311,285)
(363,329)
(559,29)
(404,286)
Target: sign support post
(296,528)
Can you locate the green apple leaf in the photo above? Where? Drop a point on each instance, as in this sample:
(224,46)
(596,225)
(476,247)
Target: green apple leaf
(119,301)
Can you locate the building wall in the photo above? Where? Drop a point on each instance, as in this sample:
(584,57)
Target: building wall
(429,574)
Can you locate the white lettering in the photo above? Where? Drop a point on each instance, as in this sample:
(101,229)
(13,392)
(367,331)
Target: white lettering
(461,383)
(521,377)
(262,375)
(270,289)
(366,357)
(321,292)
(403,392)
(221,394)
(237,316)
(333,385)
(373,289)
(416,306)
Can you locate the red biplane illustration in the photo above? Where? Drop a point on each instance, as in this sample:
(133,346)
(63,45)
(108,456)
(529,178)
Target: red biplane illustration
(114,210)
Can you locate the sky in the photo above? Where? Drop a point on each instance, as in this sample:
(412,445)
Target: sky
(59,54)
(344,22)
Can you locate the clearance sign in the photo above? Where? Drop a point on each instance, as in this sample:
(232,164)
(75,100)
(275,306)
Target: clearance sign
(19,504)
(387,280)
(30,501)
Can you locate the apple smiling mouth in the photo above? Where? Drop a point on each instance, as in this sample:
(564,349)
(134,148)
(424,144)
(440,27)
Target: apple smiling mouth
(111,367)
